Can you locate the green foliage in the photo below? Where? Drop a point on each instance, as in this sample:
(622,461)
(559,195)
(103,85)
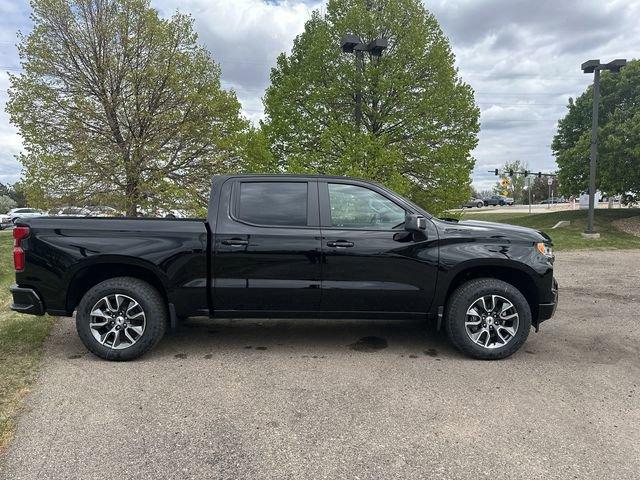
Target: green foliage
(618,169)
(419,120)
(7,203)
(118,106)
(15,192)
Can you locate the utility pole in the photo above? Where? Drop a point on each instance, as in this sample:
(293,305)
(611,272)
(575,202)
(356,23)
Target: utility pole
(353,44)
(594,66)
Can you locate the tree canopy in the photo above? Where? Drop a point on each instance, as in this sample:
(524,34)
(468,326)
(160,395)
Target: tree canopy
(118,105)
(419,120)
(618,167)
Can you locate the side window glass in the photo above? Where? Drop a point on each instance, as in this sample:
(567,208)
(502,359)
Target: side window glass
(358,207)
(273,203)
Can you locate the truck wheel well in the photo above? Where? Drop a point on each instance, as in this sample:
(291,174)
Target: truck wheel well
(91,276)
(513,276)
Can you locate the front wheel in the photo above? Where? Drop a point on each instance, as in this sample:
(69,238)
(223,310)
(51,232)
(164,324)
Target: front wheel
(488,319)
(121,318)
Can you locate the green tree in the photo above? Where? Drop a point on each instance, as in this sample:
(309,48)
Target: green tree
(6,203)
(419,120)
(117,105)
(618,169)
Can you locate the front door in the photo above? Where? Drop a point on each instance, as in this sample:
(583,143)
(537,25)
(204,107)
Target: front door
(370,263)
(267,247)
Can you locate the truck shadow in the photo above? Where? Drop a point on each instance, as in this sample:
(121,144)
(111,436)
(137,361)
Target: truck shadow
(203,336)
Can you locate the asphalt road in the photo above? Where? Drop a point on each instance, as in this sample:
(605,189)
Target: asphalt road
(307,400)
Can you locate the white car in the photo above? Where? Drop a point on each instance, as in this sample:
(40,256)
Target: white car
(102,211)
(19,213)
(5,221)
(73,212)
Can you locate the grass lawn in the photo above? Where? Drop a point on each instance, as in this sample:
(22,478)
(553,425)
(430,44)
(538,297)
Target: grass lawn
(21,338)
(569,238)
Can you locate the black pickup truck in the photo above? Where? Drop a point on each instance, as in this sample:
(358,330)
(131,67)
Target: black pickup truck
(286,246)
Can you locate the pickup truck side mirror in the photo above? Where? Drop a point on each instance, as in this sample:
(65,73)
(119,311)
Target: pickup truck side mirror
(414,223)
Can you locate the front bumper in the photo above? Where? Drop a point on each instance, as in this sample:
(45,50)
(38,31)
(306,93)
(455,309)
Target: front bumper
(546,310)
(26,300)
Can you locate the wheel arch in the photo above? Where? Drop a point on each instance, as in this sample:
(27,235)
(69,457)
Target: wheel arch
(512,275)
(90,275)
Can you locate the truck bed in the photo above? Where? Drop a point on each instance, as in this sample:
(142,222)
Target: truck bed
(65,254)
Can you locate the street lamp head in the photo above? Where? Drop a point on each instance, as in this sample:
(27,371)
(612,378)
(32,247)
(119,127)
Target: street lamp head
(590,66)
(349,42)
(377,46)
(616,65)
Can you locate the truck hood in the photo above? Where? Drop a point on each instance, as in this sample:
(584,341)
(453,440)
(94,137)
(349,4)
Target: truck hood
(493,230)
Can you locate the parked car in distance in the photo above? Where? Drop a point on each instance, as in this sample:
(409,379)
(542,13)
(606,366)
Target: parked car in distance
(500,200)
(553,200)
(474,202)
(5,221)
(102,211)
(24,213)
(73,212)
(277,246)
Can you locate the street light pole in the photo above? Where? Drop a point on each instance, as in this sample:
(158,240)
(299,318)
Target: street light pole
(593,157)
(594,66)
(353,44)
(359,72)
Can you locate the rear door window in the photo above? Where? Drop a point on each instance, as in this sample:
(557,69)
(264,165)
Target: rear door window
(273,203)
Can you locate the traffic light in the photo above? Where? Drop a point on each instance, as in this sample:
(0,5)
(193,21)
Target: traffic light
(526,173)
(539,174)
(511,173)
(496,170)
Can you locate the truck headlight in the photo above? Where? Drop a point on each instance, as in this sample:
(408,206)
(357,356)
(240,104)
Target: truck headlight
(544,249)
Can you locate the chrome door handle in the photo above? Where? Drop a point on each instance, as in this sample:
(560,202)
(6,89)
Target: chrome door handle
(235,242)
(340,244)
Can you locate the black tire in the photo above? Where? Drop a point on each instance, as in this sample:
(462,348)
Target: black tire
(149,299)
(501,203)
(479,204)
(464,297)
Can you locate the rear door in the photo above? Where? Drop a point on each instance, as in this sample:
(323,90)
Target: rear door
(371,264)
(267,246)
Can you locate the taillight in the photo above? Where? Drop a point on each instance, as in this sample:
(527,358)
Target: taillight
(19,234)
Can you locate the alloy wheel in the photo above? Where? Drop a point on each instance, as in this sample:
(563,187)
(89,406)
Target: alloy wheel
(491,321)
(117,321)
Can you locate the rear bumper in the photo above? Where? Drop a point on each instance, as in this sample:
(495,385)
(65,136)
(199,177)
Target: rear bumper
(546,310)
(26,300)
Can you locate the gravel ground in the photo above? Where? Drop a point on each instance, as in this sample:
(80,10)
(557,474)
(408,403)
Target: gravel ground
(628,225)
(310,400)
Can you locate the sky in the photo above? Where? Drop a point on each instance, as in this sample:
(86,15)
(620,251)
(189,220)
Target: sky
(522,58)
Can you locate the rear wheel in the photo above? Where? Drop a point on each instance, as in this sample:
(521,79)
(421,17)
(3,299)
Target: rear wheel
(479,204)
(488,319)
(121,318)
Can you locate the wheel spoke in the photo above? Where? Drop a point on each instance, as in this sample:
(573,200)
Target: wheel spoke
(136,328)
(128,335)
(510,330)
(504,340)
(133,304)
(103,338)
(116,338)
(99,324)
(473,312)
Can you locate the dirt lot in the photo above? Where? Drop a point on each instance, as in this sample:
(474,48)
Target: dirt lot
(304,399)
